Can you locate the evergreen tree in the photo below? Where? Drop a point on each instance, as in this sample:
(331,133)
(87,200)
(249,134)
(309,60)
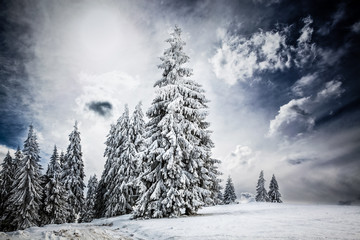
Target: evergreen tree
(89,210)
(178,165)
(211,165)
(229,193)
(74,175)
(26,193)
(55,209)
(119,193)
(261,193)
(107,175)
(137,150)
(274,194)
(7,179)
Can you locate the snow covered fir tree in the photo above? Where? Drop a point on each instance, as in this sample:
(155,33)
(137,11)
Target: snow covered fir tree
(73,176)
(55,208)
(6,179)
(125,149)
(274,194)
(88,213)
(26,194)
(229,192)
(261,193)
(179,171)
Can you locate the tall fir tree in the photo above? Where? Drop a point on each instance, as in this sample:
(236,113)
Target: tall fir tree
(229,192)
(26,193)
(88,213)
(7,178)
(74,175)
(274,194)
(261,193)
(55,208)
(179,167)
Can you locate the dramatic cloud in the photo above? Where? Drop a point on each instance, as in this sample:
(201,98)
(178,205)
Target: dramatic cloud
(292,119)
(242,58)
(305,50)
(332,89)
(298,116)
(303,84)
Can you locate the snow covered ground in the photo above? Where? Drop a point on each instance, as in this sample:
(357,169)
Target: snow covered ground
(241,221)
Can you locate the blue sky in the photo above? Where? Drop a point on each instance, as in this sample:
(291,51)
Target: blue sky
(282,77)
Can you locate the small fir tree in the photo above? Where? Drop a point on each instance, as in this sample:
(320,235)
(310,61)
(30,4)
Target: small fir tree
(74,175)
(26,193)
(229,192)
(274,194)
(89,210)
(261,193)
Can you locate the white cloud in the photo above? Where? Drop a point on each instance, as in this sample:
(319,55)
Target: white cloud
(298,115)
(332,89)
(241,58)
(243,155)
(304,83)
(305,50)
(292,118)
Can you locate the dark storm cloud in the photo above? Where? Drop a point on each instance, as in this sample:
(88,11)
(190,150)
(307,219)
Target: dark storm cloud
(15,92)
(100,108)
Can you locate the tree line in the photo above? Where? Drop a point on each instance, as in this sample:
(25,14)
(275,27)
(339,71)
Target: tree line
(273,195)
(30,198)
(160,168)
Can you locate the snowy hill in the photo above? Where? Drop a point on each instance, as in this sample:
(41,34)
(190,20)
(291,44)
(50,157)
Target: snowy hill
(239,221)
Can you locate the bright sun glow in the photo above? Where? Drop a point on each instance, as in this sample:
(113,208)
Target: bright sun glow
(99,33)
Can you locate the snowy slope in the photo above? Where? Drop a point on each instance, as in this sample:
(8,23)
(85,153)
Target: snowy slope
(242,221)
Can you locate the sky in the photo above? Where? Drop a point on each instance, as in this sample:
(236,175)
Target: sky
(282,77)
